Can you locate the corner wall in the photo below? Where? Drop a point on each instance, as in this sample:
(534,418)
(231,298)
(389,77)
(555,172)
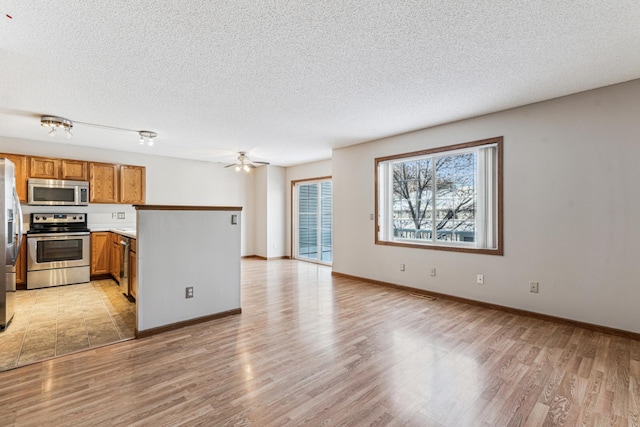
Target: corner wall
(570,210)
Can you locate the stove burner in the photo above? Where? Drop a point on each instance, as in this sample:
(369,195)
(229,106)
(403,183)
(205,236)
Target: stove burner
(58,223)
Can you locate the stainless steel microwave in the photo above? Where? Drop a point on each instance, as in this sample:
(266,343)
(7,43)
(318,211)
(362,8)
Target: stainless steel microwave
(57,192)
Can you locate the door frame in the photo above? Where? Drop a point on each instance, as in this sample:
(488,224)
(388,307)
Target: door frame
(294,222)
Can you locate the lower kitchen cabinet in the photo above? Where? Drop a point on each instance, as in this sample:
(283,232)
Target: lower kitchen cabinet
(100,249)
(21,266)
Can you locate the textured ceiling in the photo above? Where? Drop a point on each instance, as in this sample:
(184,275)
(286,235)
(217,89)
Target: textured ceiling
(290,80)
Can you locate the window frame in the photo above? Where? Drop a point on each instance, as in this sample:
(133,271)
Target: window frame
(499,249)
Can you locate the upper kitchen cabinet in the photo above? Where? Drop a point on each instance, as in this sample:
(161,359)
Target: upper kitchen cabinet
(46,168)
(111,183)
(40,167)
(132,184)
(20,163)
(75,170)
(103,183)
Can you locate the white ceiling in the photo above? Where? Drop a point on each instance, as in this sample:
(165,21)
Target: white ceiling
(290,80)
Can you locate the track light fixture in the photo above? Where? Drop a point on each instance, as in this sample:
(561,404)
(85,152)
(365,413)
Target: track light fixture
(148,136)
(55,123)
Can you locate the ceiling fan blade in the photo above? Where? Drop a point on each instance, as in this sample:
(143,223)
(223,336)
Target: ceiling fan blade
(251,165)
(262,163)
(228,166)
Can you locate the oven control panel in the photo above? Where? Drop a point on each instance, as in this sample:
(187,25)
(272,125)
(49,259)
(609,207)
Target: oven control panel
(57,218)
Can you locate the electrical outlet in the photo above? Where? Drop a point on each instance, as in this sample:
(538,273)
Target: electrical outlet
(113,215)
(433,272)
(401,267)
(120,215)
(480,279)
(189,292)
(533,287)
(371,217)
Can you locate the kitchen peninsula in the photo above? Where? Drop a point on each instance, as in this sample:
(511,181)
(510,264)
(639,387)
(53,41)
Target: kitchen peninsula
(188,265)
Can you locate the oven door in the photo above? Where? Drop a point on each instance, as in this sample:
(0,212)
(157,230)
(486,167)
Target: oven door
(57,250)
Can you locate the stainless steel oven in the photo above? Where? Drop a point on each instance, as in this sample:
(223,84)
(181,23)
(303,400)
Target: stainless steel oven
(58,250)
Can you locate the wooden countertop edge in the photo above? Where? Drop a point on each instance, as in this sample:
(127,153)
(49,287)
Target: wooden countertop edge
(185,208)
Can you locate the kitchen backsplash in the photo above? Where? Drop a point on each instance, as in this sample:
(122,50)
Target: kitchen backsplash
(99,216)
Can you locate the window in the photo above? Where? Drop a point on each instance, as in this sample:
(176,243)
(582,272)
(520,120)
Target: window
(447,198)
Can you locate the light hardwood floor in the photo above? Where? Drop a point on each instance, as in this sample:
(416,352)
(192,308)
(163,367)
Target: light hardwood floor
(312,349)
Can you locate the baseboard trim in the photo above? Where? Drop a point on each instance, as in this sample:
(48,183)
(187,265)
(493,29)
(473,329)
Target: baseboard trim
(265,258)
(565,321)
(190,322)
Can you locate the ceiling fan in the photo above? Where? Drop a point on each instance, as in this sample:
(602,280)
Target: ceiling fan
(244,163)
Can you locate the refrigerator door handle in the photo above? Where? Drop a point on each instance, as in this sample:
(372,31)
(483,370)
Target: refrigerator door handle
(20,226)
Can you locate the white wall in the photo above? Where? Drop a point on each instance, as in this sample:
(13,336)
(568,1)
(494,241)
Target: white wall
(305,171)
(270,214)
(168,181)
(571,213)
(261,221)
(194,248)
(276,213)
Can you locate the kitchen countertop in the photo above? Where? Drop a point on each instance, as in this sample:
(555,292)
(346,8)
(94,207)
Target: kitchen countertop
(127,232)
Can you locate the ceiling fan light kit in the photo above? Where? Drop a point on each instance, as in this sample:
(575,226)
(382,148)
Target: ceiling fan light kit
(244,163)
(55,123)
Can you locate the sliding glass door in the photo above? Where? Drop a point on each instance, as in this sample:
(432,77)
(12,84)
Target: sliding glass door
(313,221)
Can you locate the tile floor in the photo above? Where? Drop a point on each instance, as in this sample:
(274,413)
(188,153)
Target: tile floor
(53,321)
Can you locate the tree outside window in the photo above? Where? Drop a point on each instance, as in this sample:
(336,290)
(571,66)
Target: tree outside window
(446,196)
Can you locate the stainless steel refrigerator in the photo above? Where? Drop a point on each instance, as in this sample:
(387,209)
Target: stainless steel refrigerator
(11,234)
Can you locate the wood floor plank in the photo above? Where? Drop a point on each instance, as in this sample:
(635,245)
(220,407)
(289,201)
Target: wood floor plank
(312,349)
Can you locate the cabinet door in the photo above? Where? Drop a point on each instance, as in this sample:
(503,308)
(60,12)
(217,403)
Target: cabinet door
(100,248)
(132,184)
(75,170)
(21,264)
(40,167)
(133,275)
(103,183)
(20,163)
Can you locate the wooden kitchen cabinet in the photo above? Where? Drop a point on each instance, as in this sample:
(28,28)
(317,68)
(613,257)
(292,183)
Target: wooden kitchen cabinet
(20,163)
(75,170)
(47,168)
(100,251)
(116,256)
(44,168)
(21,266)
(133,270)
(132,184)
(103,183)
(108,183)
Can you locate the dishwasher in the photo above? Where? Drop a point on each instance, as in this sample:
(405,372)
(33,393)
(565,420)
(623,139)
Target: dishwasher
(124,266)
